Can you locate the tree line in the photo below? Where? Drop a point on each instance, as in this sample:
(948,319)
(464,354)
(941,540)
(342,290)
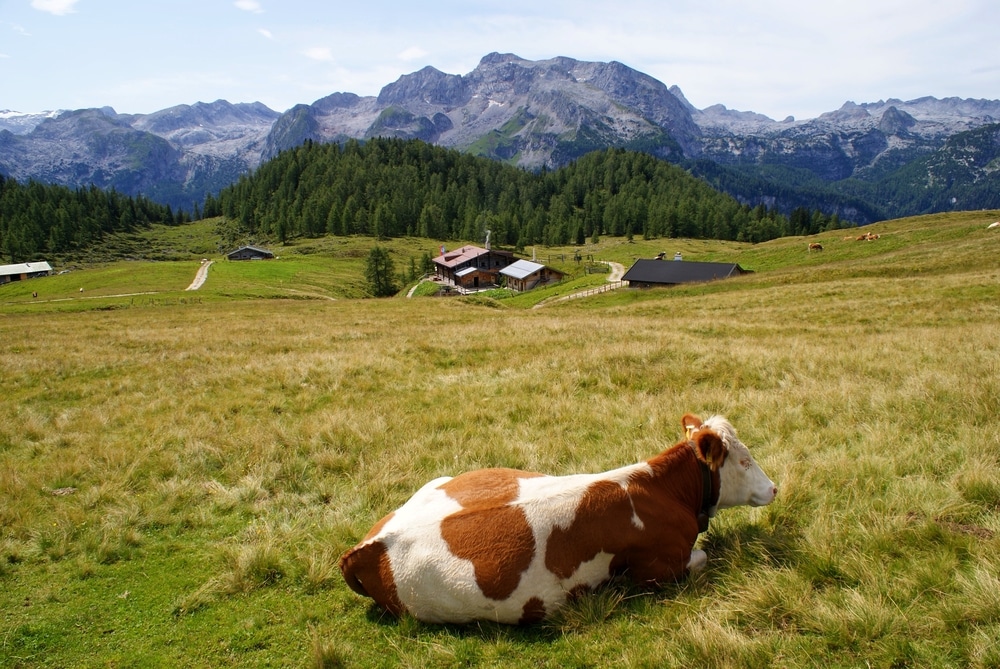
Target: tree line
(394,187)
(38,219)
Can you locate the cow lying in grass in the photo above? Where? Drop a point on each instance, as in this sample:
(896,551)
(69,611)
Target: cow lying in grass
(513,546)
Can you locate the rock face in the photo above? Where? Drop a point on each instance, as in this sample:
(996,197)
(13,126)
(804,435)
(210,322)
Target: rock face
(175,156)
(530,113)
(853,141)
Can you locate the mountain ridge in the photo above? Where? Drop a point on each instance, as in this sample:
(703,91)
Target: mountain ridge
(534,114)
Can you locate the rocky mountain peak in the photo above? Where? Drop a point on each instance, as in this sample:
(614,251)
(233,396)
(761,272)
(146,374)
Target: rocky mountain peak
(895,122)
(336,101)
(429,86)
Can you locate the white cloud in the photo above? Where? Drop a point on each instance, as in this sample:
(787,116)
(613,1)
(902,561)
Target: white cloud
(249,6)
(319,53)
(57,7)
(19,29)
(266,33)
(413,53)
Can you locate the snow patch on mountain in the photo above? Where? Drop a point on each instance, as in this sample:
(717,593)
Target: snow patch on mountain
(21,123)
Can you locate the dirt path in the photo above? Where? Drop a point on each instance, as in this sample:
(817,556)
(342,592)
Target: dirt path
(199,278)
(617,270)
(614,282)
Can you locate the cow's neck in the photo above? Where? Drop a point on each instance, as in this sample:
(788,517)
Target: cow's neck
(703,493)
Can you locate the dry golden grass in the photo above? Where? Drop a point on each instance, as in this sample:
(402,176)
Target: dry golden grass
(190,473)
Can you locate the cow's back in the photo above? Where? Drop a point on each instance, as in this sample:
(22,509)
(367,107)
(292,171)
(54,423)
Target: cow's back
(474,547)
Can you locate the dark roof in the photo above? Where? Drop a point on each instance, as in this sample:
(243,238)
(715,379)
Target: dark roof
(669,272)
(464,254)
(252,249)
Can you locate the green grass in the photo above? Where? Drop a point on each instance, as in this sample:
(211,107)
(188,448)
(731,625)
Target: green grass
(179,472)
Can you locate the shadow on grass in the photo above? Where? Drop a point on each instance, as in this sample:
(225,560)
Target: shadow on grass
(407,625)
(738,548)
(751,545)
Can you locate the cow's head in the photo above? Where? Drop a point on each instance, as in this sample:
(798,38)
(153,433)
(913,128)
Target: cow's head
(741,480)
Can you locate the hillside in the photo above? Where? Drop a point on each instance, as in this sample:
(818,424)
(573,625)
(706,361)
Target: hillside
(392,187)
(153,266)
(180,471)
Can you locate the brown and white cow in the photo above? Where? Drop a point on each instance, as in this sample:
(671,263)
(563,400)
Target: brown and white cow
(513,546)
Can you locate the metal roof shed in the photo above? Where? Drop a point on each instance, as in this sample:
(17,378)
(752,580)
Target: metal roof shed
(24,270)
(521,269)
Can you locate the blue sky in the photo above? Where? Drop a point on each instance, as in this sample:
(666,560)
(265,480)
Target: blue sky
(776,57)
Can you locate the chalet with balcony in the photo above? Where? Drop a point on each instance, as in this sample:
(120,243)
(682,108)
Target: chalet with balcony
(471,267)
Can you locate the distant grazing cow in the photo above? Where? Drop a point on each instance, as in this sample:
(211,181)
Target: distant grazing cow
(868,237)
(514,546)
(815,247)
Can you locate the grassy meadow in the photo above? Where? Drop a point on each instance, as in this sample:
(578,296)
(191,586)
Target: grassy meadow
(181,470)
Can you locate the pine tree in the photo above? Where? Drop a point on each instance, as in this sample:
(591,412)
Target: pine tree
(380,273)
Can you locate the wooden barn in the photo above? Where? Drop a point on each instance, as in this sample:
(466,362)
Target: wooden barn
(649,273)
(250,253)
(525,275)
(23,271)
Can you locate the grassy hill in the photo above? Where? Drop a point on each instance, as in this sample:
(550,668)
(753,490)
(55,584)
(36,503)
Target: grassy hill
(180,471)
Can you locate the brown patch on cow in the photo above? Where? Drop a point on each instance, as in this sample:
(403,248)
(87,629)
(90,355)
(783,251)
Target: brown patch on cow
(667,501)
(532,612)
(493,487)
(497,540)
(367,571)
(488,531)
(378,526)
(603,522)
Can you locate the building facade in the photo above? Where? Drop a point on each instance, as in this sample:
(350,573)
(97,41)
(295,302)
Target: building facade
(471,267)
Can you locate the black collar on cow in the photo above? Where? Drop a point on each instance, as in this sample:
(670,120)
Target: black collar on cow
(708,496)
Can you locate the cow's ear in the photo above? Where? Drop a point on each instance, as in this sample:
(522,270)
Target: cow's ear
(690,423)
(711,449)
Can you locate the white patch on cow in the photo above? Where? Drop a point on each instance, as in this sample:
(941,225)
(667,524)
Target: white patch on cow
(550,501)
(591,573)
(414,541)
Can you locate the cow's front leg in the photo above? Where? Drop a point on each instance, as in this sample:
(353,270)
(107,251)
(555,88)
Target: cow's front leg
(698,560)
